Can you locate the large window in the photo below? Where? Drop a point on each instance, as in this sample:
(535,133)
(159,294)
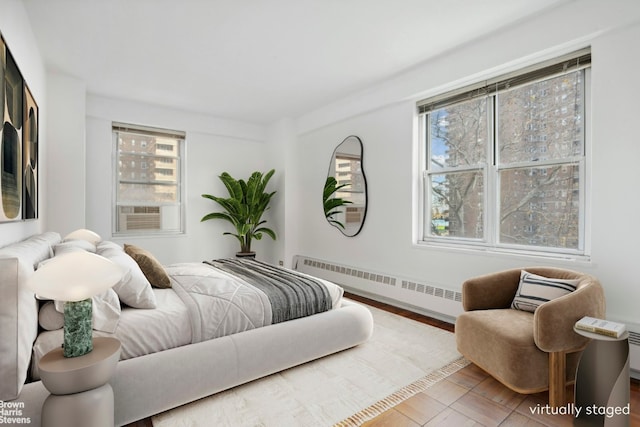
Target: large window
(505,161)
(149,171)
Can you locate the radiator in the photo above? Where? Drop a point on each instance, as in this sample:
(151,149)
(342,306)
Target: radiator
(425,298)
(434,301)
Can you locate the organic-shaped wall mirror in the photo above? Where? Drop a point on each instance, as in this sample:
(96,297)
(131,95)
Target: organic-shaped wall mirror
(345,190)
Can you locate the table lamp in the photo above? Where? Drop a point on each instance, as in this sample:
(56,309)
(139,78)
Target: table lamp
(74,278)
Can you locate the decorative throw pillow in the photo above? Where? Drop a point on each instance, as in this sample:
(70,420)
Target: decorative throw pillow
(535,290)
(150,266)
(133,289)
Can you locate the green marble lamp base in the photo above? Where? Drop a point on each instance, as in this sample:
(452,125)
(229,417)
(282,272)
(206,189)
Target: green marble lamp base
(78,326)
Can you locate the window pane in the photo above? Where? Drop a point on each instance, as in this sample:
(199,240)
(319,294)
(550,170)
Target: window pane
(142,168)
(459,134)
(135,142)
(457,204)
(540,206)
(542,120)
(147,193)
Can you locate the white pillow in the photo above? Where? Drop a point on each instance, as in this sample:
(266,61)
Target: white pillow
(73,246)
(106,311)
(49,318)
(83,234)
(134,289)
(535,290)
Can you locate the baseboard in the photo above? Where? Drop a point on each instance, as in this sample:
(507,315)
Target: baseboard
(400,304)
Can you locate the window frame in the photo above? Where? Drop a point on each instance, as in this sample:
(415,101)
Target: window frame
(491,173)
(180,136)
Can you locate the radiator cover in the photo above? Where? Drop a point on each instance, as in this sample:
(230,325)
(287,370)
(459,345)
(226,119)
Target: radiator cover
(431,300)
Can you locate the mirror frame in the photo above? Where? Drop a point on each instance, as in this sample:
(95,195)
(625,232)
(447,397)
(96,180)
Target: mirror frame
(364,181)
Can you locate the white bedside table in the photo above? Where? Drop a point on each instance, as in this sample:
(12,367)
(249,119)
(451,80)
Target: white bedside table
(602,381)
(80,393)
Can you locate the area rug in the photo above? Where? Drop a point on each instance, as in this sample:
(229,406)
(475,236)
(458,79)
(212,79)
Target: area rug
(402,358)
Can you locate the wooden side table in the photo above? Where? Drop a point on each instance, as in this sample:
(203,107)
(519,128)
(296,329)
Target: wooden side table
(80,392)
(602,387)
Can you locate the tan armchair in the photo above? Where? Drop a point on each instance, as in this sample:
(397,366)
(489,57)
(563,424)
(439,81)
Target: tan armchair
(527,352)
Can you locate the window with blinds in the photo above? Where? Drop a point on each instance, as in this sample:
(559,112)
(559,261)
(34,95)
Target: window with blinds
(149,175)
(504,161)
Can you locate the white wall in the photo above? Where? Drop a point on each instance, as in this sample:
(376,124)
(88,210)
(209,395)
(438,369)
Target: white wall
(383,117)
(66,207)
(16,31)
(281,145)
(213,145)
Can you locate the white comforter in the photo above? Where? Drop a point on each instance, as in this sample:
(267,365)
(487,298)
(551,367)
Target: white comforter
(221,304)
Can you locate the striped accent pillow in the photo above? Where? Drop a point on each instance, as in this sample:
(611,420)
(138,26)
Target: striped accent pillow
(535,290)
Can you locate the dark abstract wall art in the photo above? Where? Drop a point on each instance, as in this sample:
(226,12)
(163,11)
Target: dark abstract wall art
(18,143)
(30,156)
(11,151)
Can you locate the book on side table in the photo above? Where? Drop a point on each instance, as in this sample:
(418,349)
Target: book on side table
(601,326)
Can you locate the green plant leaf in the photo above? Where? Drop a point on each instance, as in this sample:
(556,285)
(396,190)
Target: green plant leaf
(336,222)
(244,207)
(233,186)
(269,232)
(329,202)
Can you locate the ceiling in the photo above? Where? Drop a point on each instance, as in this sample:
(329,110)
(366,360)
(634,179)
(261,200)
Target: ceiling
(255,60)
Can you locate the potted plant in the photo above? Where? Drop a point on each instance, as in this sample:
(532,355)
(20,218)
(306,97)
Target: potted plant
(330,203)
(244,208)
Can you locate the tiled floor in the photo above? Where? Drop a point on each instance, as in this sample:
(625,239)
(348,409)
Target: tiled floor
(470,397)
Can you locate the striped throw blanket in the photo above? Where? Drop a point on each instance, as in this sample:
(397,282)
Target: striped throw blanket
(291,294)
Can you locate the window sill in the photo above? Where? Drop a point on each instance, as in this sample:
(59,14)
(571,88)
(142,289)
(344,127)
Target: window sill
(121,235)
(528,256)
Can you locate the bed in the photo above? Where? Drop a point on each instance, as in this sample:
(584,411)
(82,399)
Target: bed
(194,330)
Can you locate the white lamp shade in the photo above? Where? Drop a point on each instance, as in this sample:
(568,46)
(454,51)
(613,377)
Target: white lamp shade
(74,276)
(84,234)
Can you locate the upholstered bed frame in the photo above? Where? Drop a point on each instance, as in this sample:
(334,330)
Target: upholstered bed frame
(156,382)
